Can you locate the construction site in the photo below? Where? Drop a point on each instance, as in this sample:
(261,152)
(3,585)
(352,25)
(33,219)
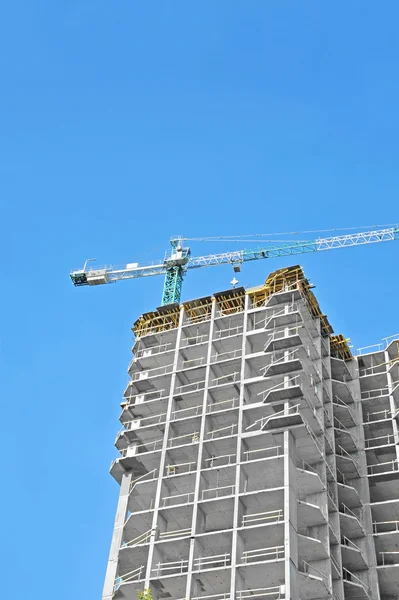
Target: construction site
(258,457)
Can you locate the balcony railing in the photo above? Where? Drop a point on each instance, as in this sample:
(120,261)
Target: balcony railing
(153,350)
(271,451)
(385,527)
(196,386)
(187,438)
(224,333)
(185,413)
(286,412)
(169,568)
(222,431)
(177,499)
(223,405)
(194,340)
(229,355)
(229,378)
(379,415)
(382,468)
(143,538)
(389,558)
(180,468)
(134,575)
(270,516)
(372,394)
(217,492)
(351,578)
(275,592)
(175,533)
(213,461)
(380,441)
(263,554)
(212,561)
(149,373)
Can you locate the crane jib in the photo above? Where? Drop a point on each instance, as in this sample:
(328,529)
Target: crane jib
(175,266)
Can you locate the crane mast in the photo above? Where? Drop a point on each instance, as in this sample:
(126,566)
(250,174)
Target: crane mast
(175,266)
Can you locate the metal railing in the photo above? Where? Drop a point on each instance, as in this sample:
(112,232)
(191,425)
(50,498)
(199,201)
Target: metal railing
(281,357)
(148,373)
(340,451)
(275,591)
(273,516)
(166,568)
(264,322)
(157,395)
(228,355)
(229,378)
(184,413)
(349,544)
(196,386)
(387,467)
(373,370)
(379,415)
(222,431)
(216,560)
(351,578)
(231,459)
(294,381)
(141,478)
(134,575)
(378,442)
(312,571)
(372,394)
(224,333)
(281,334)
(175,533)
(349,512)
(273,452)
(193,362)
(214,406)
(385,527)
(286,412)
(391,561)
(194,340)
(143,538)
(273,553)
(153,350)
(218,492)
(179,469)
(193,439)
(177,499)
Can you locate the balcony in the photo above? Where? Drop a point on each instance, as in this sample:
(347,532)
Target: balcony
(352,556)
(355,588)
(383,471)
(350,522)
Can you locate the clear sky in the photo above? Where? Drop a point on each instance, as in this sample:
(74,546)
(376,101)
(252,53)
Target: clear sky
(124,122)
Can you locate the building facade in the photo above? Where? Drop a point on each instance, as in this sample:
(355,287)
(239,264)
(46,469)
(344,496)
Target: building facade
(259,458)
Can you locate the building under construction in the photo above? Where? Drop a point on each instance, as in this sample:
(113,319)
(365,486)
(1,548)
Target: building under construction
(258,457)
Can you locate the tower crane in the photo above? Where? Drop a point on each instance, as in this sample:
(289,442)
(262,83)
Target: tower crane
(176,264)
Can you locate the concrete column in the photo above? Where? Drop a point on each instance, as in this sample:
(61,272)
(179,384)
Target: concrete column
(290,519)
(163,454)
(233,584)
(189,587)
(120,519)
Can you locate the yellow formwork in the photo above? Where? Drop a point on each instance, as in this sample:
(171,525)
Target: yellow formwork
(339,345)
(198,310)
(232,301)
(157,321)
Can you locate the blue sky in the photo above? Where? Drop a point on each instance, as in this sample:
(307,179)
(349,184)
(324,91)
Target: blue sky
(126,122)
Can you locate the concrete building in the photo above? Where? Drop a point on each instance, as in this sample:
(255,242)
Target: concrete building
(259,458)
